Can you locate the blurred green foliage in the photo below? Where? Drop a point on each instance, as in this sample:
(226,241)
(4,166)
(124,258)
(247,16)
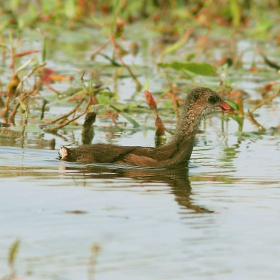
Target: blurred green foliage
(71,13)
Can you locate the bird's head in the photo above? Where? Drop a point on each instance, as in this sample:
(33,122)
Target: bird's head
(205,101)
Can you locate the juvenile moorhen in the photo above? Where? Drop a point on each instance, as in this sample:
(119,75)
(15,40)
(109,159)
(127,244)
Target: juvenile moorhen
(199,103)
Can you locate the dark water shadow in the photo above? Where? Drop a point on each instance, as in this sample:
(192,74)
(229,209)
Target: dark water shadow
(177,178)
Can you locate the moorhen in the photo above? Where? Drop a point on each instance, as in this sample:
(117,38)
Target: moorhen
(199,103)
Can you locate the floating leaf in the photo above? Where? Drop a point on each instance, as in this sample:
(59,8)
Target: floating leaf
(130,119)
(127,117)
(203,69)
(251,135)
(29,128)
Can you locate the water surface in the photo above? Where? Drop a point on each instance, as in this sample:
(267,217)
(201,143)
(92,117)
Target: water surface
(215,220)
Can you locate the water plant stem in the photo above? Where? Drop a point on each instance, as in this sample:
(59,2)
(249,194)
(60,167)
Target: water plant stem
(138,84)
(73,119)
(68,114)
(265,101)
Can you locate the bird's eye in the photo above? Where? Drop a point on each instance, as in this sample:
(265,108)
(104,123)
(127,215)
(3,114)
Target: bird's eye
(212,99)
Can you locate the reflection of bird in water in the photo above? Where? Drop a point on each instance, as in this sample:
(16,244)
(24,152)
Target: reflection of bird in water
(176,177)
(199,103)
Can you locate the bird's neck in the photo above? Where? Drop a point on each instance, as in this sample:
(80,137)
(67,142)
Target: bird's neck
(189,123)
(180,148)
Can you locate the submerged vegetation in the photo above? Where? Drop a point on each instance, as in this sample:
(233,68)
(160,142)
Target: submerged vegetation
(100,57)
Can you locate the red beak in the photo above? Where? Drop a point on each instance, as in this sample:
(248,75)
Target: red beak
(227,108)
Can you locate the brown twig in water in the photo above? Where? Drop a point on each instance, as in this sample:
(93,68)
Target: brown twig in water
(20,86)
(6,110)
(51,88)
(82,77)
(68,114)
(43,108)
(100,49)
(73,119)
(138,85)
(33,70)
(12,116)
(253,120)
(24,65)
(112,116)
(14,111)
(24,124)
(265,101)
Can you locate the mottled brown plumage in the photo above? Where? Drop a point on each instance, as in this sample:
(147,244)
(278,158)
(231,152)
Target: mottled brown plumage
(199,103)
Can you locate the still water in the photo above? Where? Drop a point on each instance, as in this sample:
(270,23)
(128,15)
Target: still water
(218,219)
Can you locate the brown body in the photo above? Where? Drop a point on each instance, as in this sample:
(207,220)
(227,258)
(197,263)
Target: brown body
(199,103)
